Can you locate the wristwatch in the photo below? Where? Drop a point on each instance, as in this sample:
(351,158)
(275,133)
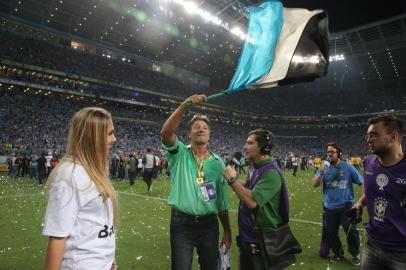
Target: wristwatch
(232,180)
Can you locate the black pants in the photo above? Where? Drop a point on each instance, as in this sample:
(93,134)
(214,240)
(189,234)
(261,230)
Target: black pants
(294,170)
(250,257)
(41,176)
(148,178)
(131,177)
(335,218)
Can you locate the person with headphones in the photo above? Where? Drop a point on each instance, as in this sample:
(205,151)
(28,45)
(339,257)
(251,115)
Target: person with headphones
(260,198)
(337,178)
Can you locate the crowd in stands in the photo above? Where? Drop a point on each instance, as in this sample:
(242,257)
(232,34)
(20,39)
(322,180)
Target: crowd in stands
(28,50)
(61,82)
(34,123)
(288,100)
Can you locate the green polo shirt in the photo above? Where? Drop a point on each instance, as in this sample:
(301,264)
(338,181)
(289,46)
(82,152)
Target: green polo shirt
(186,194)
(267,194)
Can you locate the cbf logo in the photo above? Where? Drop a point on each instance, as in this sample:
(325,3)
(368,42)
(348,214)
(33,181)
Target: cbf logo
(380,205)
(382,181)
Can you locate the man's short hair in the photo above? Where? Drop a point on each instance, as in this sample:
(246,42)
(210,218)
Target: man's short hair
(264,138)
(198,117)
(390,122)
(336,147)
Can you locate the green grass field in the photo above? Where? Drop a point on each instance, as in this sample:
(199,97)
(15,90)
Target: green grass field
(143,235)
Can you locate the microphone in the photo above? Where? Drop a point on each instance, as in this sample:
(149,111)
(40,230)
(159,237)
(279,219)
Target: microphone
(234,161)
(326,162)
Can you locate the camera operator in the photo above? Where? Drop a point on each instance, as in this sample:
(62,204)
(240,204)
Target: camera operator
(261,196)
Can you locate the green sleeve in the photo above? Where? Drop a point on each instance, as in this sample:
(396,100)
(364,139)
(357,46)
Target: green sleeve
(268,186)
(171,153)
(223,202)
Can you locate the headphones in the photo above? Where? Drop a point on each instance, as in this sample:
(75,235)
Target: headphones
(339,153)
(267,141)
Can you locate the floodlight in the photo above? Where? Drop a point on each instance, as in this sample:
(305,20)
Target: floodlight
(315,59)
(190,7)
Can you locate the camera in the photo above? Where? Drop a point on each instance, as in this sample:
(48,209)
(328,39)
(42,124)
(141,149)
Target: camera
(354,214)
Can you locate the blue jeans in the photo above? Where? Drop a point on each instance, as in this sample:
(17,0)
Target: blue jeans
(335,218)
(34,171)
(375,258)
(188,233)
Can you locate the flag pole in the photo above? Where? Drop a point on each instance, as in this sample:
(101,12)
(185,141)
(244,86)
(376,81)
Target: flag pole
(220,94)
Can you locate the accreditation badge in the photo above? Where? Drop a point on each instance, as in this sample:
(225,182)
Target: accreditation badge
(208,191)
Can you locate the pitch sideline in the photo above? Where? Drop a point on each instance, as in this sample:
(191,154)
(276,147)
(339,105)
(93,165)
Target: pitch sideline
(149,197)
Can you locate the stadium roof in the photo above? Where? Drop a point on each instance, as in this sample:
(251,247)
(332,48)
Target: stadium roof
(162,31)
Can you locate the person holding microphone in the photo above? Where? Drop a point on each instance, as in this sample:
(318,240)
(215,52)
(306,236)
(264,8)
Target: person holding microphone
(337,178)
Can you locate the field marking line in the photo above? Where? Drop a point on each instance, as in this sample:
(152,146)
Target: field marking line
(305,221)
(143,196)
(20,195)
(162,199)
(153,198)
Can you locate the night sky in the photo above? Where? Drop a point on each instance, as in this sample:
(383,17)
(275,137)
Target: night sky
(347,14)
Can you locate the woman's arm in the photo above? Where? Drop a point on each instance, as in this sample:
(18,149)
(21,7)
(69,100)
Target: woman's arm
(55,250)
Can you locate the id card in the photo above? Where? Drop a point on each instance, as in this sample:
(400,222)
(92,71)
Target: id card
(208,191)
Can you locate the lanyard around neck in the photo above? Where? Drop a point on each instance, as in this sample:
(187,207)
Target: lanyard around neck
(200,165)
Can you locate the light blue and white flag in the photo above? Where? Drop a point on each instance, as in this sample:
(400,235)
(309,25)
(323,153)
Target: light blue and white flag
(284,46)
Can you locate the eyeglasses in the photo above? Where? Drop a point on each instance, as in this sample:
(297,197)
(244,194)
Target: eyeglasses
(374,136)
(199,117)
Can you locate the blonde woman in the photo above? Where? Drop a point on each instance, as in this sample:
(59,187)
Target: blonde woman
(82,208)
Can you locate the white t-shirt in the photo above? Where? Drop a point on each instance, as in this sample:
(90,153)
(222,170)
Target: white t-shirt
(76,210)
(140,163)
(48,158)
(294,161)
(150,161)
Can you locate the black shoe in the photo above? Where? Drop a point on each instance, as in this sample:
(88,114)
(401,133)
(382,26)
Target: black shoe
(336,258)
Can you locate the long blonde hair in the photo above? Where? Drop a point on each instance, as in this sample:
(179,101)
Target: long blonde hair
(87,145)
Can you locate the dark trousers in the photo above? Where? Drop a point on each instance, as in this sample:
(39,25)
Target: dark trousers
(131,177)
(41,176)
(188,233)
(24,171)
(335,218)
(148,178)
(113,172)
(375,258)
(121,172)
(49,171)
(250,257)
(13,172)
(294,170)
